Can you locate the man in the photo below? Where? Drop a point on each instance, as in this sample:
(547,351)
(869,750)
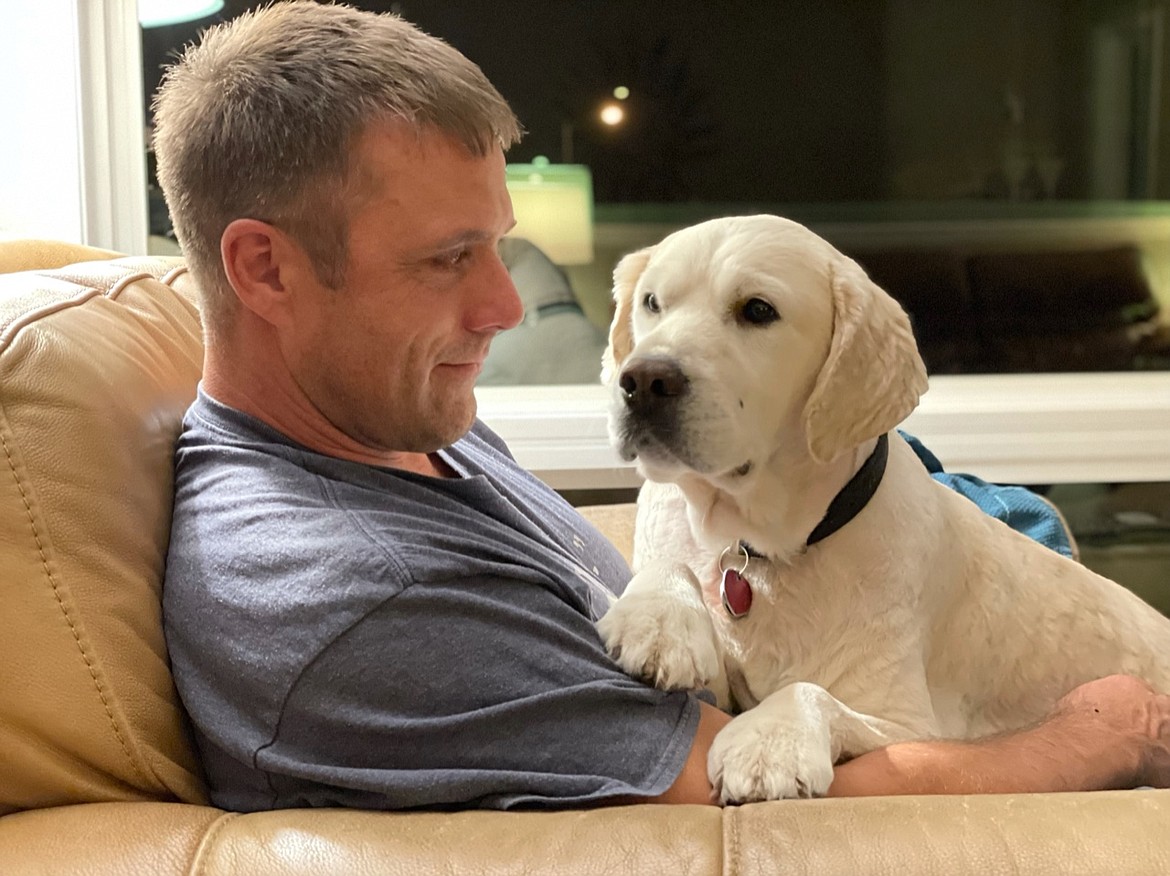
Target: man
(367,603)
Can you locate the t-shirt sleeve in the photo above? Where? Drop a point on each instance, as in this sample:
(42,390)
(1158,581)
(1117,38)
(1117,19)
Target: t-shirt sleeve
(478,692)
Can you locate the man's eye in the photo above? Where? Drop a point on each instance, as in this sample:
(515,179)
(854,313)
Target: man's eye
(650,302)
(452,259)
(757,311)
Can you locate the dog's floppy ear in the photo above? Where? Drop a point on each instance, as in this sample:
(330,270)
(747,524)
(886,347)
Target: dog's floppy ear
(621,330)
(873,375)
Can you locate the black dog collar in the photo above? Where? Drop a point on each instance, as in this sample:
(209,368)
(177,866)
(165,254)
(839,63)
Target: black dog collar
(736,590)
(854,496)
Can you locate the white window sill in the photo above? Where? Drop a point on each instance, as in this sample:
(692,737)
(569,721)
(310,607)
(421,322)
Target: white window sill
(1022,429)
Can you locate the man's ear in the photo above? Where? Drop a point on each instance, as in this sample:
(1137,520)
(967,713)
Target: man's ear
(260,261)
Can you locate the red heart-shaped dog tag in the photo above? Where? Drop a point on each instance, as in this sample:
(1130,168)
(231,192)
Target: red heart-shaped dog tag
(736,593)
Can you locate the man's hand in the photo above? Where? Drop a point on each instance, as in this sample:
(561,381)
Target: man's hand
(1121,722)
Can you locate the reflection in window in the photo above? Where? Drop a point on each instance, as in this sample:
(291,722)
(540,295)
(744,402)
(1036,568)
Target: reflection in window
(1123,533)
(999,166)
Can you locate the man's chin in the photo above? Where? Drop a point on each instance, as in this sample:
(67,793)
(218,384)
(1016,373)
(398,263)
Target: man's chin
(460,421)
(448,432)
(435,429)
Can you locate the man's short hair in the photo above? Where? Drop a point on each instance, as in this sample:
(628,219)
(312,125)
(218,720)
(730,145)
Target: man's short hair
(258,121)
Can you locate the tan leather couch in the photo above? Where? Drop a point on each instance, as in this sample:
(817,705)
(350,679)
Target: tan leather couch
(97,775)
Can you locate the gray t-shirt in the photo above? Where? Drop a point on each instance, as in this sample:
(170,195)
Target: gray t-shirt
(349,635)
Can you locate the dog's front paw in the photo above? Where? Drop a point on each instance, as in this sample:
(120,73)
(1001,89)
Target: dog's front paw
(757,757)
(664,639)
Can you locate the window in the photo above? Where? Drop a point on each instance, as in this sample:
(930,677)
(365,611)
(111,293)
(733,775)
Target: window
(999,166)
(1027,136)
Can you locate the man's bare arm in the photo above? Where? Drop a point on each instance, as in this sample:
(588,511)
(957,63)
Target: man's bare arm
(693,784)
(1109,733)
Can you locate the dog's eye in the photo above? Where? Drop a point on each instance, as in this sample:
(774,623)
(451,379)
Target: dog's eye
(757,311)
(650,302)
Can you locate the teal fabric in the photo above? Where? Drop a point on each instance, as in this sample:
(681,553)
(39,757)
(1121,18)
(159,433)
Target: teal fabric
(1018,507)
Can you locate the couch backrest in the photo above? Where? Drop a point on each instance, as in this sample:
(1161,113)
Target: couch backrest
(98,361)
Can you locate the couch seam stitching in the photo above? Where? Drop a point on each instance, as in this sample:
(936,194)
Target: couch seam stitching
(16,326)
(129,280)
(731,842)
(89,291)
(53,585)
(202,852)
(173,274)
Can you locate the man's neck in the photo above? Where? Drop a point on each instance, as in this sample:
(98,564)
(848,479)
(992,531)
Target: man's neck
(288,412)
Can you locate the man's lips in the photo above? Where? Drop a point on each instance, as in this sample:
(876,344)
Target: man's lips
(473,367)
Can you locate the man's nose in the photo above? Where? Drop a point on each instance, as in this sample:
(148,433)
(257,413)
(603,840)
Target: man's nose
(497,304)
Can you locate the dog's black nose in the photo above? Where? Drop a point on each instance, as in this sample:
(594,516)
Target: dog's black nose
(652,380)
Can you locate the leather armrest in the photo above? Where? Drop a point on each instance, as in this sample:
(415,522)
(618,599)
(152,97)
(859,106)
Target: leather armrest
(1105,832)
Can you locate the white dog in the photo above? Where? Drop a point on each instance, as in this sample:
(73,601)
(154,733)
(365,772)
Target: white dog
(757,372)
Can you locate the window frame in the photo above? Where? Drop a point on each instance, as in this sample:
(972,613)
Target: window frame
(1011,428)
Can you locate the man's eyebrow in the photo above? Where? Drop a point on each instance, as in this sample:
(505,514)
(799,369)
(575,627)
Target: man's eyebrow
(467,236)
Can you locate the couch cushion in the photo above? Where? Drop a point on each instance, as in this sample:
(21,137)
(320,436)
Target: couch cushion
(1101,832)
(617,522)
(1094,832)
(115,839)
(30,254)
(97,364)
(645,839)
